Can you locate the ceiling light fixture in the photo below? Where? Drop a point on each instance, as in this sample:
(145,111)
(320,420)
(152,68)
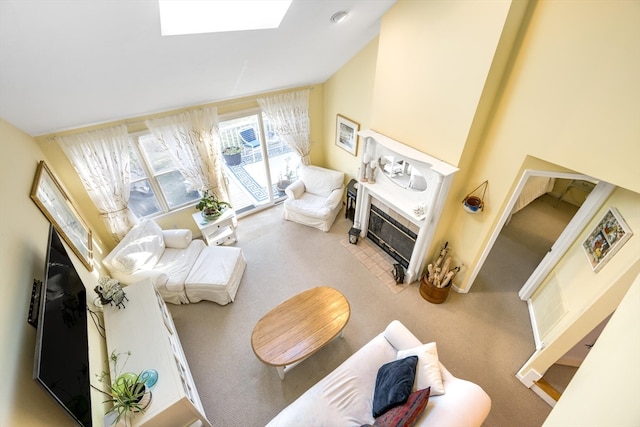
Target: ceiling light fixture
(339,16)
(210,16)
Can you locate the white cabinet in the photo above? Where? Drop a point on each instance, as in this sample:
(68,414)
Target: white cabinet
(219,231)
(145,328)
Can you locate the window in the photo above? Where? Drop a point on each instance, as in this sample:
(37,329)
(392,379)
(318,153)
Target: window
(156,183)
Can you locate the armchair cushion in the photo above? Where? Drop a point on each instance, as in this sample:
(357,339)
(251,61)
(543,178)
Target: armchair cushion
(321,181)
(334,199)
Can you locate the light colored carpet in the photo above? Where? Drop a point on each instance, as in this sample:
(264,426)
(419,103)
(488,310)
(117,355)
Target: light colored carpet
(484,336)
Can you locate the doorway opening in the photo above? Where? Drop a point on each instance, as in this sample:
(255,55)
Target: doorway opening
(544,235)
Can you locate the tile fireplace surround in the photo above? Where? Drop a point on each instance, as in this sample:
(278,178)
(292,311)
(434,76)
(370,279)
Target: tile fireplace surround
(399,197)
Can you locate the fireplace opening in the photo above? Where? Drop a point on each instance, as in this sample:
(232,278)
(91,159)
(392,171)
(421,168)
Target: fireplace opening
(391,236)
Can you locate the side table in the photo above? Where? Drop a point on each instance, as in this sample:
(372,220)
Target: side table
(221,230)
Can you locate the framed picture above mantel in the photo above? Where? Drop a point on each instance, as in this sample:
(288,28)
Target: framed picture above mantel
(347,134)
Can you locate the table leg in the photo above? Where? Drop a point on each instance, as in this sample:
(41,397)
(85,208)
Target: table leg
(280,370)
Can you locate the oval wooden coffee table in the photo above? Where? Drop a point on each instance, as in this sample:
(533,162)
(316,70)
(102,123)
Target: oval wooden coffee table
(299,327)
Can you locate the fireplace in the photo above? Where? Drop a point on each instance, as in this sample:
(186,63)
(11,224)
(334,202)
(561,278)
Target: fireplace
(399,209)
(391,235)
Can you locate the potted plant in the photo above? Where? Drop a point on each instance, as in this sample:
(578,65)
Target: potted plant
(232,155)
(211,206)
(128,393)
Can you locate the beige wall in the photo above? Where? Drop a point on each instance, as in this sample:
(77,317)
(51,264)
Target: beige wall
(434,62)
(606,389)
(349,93)
(23,241)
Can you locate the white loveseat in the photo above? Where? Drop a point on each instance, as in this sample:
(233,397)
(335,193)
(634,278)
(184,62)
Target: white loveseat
(345,396)
(183,270)
(315,198)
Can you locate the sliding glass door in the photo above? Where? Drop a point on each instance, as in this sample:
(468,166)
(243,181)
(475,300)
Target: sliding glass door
(258,163)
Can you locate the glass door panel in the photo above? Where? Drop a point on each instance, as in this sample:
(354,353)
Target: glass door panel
(283,162)
(259,164)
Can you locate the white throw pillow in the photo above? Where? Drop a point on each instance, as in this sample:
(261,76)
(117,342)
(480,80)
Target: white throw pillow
(177,239)
(143,248)
(428,371)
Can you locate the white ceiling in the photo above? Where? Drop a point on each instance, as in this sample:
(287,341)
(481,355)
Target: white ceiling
(70,63)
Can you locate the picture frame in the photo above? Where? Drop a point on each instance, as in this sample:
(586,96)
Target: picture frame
(347,134)
(606,239)
(50,197)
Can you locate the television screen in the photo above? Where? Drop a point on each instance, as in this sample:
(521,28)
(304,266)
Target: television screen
(62,353)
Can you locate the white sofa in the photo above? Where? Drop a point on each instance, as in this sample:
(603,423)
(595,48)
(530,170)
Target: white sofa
(315,198)
(345,396)
(183,270)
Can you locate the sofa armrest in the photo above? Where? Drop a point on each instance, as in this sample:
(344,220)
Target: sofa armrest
(295,190)
(158,278)
(177,239)
(400,337)
(335,198)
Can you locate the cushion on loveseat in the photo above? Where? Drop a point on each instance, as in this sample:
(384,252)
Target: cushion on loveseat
(141,248)
(177,239)
(428,370)
(407,414)
(394,382)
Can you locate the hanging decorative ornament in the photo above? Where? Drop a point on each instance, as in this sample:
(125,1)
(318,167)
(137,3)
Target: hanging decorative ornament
(474,204)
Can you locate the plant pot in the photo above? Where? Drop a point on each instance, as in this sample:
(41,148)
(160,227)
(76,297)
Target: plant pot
(473,204)
(211,217)
(432,293)
(145,400)
(232,159)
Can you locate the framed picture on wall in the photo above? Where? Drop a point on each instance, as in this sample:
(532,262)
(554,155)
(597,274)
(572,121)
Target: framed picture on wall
(50,197)
(606,239)
(347,134)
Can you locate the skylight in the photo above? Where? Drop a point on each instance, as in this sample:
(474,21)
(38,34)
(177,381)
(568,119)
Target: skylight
(211,16)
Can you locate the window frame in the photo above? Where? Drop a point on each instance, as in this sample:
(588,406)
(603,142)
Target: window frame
(152,177)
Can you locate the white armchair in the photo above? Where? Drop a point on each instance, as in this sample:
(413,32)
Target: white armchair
(315,198)
(182,270)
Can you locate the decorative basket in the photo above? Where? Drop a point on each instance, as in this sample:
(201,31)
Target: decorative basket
(432,293)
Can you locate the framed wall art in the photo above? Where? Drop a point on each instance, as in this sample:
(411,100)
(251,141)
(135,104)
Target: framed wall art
(347,134)
(606,239)
(50,197)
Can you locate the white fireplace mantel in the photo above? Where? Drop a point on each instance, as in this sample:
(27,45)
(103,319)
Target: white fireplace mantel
(438,176)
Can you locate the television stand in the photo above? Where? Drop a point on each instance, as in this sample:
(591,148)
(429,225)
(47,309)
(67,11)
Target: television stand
(146,329)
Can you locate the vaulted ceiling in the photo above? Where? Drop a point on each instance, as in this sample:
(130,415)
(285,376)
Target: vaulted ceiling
(69,63)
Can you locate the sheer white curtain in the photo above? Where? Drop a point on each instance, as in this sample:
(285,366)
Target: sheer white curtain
(192,139)
(101,159)
(289,112)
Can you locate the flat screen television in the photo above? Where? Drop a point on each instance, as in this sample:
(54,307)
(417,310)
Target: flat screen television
(62,352)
